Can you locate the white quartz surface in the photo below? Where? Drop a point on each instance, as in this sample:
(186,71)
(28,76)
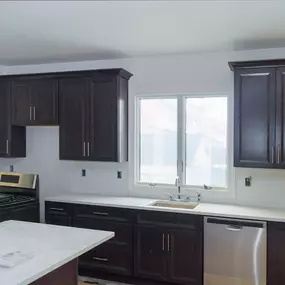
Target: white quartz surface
(220,210)
(50,247)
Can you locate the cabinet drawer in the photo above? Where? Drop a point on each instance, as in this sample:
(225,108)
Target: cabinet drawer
(123,231)
(57,208)
(109,257)
(172,220)
(106,213)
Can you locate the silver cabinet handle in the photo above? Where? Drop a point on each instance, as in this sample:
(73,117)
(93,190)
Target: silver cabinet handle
(88,149)
(30,113)
(84,149)
(100,214)
(34,109)
(163,242)
(168,242)
(57,209)
(7,146)
(278,154)
(272,154)
(101,259)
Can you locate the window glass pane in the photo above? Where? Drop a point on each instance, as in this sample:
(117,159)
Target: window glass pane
(206,141)
(158,140)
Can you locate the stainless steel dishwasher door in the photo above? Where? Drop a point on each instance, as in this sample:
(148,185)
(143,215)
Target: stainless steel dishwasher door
(234,252)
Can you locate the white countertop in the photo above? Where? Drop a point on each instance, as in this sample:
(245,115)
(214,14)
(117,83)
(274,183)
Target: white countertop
(219,210)
(50,247)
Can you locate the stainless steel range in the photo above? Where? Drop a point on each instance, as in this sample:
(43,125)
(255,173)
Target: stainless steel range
(19,196)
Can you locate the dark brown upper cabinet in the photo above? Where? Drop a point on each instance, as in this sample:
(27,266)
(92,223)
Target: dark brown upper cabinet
(94,116)
(12,138)
(259,114)
(34,101)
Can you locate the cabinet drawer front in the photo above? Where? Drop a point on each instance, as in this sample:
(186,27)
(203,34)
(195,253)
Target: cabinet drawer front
(188,221)
(106,213)
(57,208)
(123,231)
(109,257)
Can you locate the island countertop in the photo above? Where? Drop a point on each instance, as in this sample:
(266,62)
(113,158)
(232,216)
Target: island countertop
(49,247)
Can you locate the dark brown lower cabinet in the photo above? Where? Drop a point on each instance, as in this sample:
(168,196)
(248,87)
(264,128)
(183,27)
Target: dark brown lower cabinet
(150,253)
(170,255)
(148,248)
(185,263)
(275,253)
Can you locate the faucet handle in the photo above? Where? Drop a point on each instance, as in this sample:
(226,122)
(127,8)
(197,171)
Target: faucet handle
(177,181)
(170,196)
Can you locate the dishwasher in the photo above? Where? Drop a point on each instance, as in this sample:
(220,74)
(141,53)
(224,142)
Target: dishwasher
(234,252)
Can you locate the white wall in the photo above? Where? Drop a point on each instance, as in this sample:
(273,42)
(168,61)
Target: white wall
(183,74)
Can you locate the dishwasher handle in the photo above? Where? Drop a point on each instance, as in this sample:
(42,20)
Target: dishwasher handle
(234,228)
(233,224)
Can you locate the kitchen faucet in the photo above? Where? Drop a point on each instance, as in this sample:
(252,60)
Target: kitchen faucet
(178,185)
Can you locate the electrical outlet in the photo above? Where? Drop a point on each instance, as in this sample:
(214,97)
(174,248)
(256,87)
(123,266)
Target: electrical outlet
(83,172)
(11,168)
(119,174)
(247,181)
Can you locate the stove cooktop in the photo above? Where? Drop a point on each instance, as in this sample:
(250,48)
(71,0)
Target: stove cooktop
(9,199)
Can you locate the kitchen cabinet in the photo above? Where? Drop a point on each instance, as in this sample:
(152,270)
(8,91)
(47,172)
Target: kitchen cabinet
(185,262)
(73,97)
(169,247)
(116,255)
(12,138)
(258,114)
(94,113)
(58,213)
(148,246)
(150,253)
(275,253)
(34,101)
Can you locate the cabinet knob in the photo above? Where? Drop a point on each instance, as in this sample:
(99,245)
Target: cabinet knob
(272,154)
(84,149)
(163,242)
(278,154)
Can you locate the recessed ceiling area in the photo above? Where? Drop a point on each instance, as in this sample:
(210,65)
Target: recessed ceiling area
(55,31)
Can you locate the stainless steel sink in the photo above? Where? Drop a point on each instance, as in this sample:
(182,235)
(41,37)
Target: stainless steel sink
(175,204)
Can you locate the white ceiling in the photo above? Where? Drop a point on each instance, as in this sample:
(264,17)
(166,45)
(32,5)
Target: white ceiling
(53,31)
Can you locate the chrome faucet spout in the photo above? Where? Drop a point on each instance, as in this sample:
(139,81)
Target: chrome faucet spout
(178,185)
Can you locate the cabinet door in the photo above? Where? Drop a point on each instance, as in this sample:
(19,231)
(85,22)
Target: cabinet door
(254,118)
(72,94)
(4,118)
(185,265)
(102,135)
(21,105)
(280,118)
(275,254)
(45,101)
(150,253)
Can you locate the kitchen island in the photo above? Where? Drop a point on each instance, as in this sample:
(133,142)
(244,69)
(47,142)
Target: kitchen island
(50,252)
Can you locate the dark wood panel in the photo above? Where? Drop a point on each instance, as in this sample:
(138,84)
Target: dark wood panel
(4,119)
(12,138)
(21,102)
(185,264)
(254,118)
(45,101)
(73,96)
(275,254)
(150,253)
(64,275)
(171,220)
(103,120)
(123,231)
(104,213)
(110,258)
(280,118)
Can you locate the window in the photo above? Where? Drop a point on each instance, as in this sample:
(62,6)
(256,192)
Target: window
(182,136)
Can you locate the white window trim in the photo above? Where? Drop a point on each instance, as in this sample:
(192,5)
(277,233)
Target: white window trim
(215,193)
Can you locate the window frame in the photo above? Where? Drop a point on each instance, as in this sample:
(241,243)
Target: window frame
(181,141)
